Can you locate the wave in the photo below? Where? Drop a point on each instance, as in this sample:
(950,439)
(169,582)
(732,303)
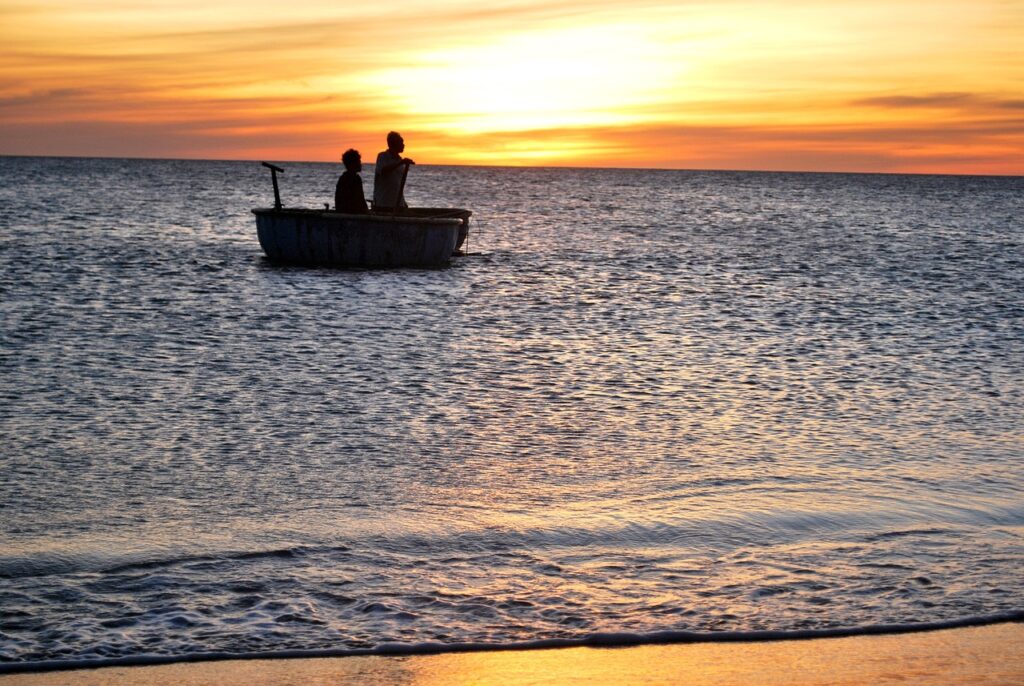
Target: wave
(602,640)
(875,525)
(16,567)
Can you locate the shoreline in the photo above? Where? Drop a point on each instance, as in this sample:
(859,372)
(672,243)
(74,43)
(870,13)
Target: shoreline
(986,654)
(599,640)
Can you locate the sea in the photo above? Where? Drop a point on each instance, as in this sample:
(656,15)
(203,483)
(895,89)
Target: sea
(647,406)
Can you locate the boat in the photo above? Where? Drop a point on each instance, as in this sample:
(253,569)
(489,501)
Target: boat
(413,237)
(406,237)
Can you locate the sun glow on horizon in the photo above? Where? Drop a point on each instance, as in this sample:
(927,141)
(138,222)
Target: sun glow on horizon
(876,85)
(567,77)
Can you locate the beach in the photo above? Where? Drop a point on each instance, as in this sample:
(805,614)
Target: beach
(981,656)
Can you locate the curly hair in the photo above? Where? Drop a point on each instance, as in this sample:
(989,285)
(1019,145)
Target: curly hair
(350,157)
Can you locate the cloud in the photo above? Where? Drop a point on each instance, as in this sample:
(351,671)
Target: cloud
(48,97)
(911,101)
(940,101)
(965,148)
(962,147)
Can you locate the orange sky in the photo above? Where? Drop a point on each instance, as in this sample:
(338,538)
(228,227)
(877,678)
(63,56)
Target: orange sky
(866,85)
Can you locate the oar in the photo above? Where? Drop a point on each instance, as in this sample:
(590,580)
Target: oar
(273,175)
(401,190)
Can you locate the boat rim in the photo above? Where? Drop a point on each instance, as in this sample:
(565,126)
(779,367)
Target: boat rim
(382,218)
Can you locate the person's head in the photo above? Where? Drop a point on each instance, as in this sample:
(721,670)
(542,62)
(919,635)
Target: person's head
(352,161)
(395,142)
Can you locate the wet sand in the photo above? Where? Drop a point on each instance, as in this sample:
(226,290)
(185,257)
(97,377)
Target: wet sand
(988,656)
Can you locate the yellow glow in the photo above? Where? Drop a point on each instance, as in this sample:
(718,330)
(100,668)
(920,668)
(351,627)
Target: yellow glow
(872,85)
(571,77)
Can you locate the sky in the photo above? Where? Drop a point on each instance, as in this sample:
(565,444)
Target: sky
(932,86)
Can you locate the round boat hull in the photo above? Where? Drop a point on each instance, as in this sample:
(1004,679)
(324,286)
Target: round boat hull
(332,239)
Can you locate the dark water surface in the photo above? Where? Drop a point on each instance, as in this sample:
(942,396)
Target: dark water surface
(658,401)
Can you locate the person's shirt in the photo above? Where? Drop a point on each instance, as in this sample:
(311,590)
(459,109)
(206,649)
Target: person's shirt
(348,195)
(387,186)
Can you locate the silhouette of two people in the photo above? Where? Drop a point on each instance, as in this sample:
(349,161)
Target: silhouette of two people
(388,179)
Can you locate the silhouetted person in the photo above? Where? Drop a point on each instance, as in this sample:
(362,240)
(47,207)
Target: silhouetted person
(389,173)
(348,194)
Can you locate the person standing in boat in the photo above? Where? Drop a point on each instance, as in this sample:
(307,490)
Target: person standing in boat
(389,175)
(348,194)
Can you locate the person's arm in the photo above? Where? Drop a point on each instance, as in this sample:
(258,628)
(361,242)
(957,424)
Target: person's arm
(391,166)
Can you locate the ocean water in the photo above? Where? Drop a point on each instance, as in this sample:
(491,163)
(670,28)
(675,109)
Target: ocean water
(650,404)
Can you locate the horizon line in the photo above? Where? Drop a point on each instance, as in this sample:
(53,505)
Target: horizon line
(522,166)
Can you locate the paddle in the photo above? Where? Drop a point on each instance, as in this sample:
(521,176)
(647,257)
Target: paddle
(273,175)
(401,189)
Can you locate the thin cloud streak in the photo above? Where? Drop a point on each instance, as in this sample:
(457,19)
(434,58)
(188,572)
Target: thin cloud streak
(941,100)
(845,149)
